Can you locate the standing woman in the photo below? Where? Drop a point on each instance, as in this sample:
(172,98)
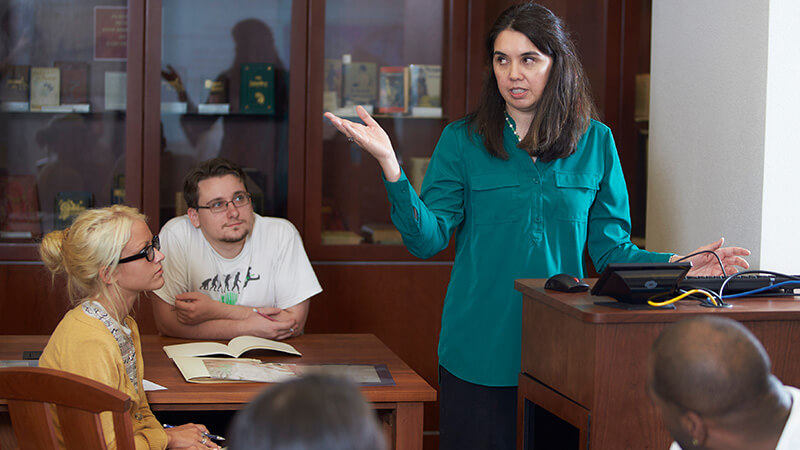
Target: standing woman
(109,257)
(527,182)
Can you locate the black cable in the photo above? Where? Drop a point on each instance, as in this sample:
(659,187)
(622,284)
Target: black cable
(719,260)
(745,272)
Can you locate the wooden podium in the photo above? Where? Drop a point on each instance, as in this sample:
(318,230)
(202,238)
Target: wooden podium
(586,364)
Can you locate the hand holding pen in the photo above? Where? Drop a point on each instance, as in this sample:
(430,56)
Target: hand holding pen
(185,435)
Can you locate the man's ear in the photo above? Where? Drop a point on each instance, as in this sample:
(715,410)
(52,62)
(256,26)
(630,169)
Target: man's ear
(194,217)
(696,427)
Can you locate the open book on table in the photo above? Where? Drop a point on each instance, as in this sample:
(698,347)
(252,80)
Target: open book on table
(227,370)
(235,347)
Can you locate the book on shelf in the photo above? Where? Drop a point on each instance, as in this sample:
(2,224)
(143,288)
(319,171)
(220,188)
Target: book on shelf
(359,83)
(382,233)
(68,205)
(393,89)
(118,189)
(74,82)
(116,94)
(333,84)
(257,88)
(235,348)
(340,237)
(425,89)
(15,85)
(19,206)
(216,95)
(45,87)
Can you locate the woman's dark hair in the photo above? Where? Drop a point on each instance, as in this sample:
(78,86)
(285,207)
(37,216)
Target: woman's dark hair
(562,114)
(316,412)
(217,167)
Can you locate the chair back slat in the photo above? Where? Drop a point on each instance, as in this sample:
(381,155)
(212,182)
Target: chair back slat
(26,416)
(81,429)
(31,393)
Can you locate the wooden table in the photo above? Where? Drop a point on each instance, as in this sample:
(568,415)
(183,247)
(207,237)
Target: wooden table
(586,364)
(402,402)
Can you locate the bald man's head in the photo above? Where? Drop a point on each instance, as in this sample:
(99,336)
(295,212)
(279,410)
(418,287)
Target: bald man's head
(709,365)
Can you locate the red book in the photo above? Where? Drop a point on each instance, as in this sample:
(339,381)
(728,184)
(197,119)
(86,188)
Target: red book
(19,207)
(74,82)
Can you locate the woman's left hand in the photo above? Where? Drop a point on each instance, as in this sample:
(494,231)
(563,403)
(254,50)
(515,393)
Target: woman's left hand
(705,264)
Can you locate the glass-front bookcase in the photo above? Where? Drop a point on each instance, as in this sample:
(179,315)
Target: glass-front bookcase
(63,102)
(389,57)
(224,91)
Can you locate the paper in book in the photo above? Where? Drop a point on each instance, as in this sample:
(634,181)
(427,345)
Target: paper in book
(226,370)
(235,347)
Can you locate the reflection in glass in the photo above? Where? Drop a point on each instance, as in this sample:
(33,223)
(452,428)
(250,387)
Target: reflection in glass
(62,123)
(224,93)
(387,57)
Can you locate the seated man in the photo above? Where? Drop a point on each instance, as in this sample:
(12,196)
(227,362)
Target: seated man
(228,271)
(710,379)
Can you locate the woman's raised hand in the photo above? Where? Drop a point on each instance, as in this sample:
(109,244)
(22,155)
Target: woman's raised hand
(372,138)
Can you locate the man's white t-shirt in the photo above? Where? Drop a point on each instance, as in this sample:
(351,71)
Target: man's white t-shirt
(790,437)
(272,269)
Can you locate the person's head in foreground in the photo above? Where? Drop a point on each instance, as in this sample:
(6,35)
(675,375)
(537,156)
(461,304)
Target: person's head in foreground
(315,412)
(710,379)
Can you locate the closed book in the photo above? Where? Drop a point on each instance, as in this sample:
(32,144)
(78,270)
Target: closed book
(216,91)
(45,87)
(393,97)
(257,89)
(19,204)
(340,237)
(118,190)
(425,85)
(15,84)
(69,205)
(116,94)
(333,84)
(74,82)
(359,83)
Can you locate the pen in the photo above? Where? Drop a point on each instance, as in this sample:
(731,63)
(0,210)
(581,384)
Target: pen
(255,310)
(213,437)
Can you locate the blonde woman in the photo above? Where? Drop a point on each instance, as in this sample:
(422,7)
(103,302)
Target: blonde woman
(109,256)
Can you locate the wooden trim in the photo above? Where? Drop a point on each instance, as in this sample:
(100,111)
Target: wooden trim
(298,113)
(313,166)
(134,109)
(151,129)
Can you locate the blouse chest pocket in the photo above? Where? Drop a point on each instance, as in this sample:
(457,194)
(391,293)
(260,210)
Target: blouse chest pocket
(496,198)
(576,193)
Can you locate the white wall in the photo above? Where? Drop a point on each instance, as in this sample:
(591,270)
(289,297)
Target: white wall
(780,240)
(720,156)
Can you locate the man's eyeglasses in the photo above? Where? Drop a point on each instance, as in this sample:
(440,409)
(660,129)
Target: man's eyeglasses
(217,206)
(148,252)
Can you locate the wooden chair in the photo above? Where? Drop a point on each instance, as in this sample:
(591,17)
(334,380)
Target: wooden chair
(30,392)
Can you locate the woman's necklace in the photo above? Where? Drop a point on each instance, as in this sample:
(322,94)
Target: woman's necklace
(513,128)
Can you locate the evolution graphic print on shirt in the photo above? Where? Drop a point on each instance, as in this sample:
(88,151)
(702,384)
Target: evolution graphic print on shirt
(229,285)
(271,270)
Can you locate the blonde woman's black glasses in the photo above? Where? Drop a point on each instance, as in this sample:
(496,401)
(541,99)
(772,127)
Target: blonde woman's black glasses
(148,252)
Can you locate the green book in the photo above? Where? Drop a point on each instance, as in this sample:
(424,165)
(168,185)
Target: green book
(69,205)
(257,89)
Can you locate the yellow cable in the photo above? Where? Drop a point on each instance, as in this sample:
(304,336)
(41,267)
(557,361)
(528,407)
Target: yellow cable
(684,295)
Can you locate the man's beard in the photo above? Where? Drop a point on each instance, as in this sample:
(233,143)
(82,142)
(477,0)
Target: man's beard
(233,240)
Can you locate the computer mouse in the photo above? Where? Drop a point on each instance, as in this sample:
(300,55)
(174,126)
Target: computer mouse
(565,282)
